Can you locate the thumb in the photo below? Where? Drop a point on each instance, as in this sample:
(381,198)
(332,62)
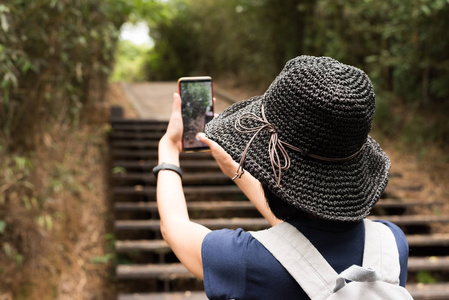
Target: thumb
(214,147)
(203,138)
(224,160)
(176,104)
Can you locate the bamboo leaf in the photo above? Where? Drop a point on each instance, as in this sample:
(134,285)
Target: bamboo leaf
(2,226)
(4,23)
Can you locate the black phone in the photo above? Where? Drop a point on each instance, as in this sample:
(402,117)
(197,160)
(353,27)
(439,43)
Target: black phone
(197,109)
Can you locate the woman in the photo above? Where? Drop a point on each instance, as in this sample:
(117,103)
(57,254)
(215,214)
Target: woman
(302,147)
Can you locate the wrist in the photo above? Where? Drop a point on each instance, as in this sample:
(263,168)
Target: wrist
(230,168)
(168,151)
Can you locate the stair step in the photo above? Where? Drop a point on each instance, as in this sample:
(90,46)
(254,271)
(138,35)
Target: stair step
(391,190)
(177,270)
(227,205)
(433,263)
(188,295)
(156,271)
(147,165)
(161,129)
(135,136)
(435,291)
(193,205)
(152,154)
(139,144)
(187,178)
(121,121)
(410,220)
(158,246)
(254,223)
(188,190)
(406,203)
(425,240)
(156,127)
(246,223)
(161,246)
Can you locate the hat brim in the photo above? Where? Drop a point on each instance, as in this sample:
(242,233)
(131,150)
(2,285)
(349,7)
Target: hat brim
(339,191)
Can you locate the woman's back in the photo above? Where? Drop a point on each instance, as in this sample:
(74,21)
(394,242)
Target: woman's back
(237,266)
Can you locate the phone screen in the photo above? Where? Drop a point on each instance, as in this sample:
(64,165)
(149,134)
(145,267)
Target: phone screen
(197,109)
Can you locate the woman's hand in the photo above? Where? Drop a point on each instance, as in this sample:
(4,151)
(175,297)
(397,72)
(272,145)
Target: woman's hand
(249,185)
(227,165)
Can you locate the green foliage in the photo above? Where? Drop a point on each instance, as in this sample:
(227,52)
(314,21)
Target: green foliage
(53,55)
(55,59)
(15,170)
(129,62)
(102,259)
(118,170)
(241,38)
(425,277)
(12,253)
(385,121)
(45,222)
(403,45)
(2,226)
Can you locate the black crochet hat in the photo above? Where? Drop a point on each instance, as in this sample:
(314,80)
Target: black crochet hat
(306,139)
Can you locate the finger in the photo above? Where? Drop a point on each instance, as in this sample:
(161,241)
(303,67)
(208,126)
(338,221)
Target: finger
(176,104)
(203,138)
(175,126)
(224,160)
(214,147)
(216,115)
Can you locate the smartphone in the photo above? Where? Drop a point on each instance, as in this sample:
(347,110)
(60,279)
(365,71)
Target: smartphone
(197,109)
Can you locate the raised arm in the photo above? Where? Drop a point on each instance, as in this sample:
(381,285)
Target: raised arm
(249,185)
(183,236)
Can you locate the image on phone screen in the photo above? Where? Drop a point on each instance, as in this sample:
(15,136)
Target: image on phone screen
(197,110)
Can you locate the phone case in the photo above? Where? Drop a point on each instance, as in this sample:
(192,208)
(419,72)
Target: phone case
(197,109)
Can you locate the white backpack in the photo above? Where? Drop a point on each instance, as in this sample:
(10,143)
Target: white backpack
(377,279)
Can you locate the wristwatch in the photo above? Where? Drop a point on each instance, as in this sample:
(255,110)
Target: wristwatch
(164,166)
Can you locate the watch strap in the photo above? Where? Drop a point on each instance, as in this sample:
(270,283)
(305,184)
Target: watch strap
(164,166)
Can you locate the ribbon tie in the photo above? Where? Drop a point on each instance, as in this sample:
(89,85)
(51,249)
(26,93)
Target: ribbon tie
(276,147)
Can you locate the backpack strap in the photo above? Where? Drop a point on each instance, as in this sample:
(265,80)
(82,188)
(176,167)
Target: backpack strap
(381,251)
(300,258)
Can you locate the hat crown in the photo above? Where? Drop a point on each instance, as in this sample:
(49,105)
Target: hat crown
(321,106)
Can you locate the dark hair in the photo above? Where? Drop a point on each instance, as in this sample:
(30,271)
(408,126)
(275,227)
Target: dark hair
(281,209)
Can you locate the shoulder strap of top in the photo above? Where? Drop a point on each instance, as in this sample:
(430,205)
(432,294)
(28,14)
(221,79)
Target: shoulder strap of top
(381,251)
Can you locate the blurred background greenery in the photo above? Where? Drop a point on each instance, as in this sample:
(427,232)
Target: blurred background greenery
(402,45)
(58,56)
(55,53)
